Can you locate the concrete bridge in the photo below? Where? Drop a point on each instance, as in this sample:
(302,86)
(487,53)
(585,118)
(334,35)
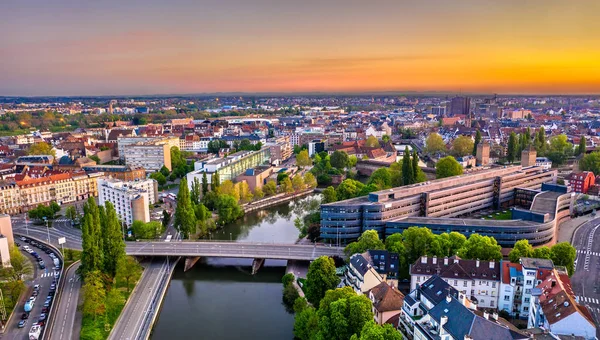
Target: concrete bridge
(232,250)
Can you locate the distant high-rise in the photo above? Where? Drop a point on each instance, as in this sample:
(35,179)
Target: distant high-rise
(439,111)
(460,106)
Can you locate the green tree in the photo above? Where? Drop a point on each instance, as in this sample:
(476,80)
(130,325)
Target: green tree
(372,142)
(564,254)
(349,188)
(477,141)
(91,255)
(148,230)
(204,184)
(320,278)
(215,182)
(185,220)
(352,160)
(435,144)
(244,191)
(385,138)
(480,247)
(373,331)
(542,253)
(20,266)
(381,178)
(559,149)
(339,160)
(540,142)
(329,195)
(408,176)
(270,188)
(95,158)
(258,193)
(447,167)
(302,159)
(54,207)
(290,294)
(446,244)
(522,248)
(159,178)
(287,186)
(93,294)
(41,148)
(165,171)
(113,246)
(306,324)
(590,162)
(581,149)
(166,219)
(114,302)
(310,180)
(128,269)
(298,183)
(71,213)
(195,192)
(228,209)
(462,146)
(369,240)
(511,149)
(342,313)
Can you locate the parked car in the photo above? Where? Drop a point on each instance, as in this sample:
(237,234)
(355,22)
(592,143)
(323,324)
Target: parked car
(25,316)
(42,265)
(45,309)
(22,323)
(42,317)
(36,287)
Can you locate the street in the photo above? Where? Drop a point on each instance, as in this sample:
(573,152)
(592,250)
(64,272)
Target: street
(64,318)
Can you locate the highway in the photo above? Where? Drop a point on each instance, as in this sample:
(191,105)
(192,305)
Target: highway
(586,279)
(64,320)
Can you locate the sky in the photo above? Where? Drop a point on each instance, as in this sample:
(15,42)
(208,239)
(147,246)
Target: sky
(137,47)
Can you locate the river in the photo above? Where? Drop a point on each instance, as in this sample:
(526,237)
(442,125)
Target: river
(220,299)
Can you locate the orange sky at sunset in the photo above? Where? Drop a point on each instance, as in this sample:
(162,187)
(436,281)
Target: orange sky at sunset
(151,47)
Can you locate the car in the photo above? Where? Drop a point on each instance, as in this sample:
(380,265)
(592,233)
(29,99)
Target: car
(51,293)
(34,254)
(22,238)
(45,309)
(42,317)
(33,243)
(39,259)
(52,255)
(42,266)
(41,323)
(24,316)
(21,323)
(53,287)
(35,293)
(17,244)
(32,299)
(36,287)
(42,262)
(47,303)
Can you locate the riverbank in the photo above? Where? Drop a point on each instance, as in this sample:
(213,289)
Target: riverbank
(275,200)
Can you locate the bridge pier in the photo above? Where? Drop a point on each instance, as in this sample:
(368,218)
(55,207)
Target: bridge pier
(256,265)
(190,262)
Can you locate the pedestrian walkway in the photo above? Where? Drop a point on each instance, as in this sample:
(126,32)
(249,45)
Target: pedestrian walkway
(583,299)
(53,274)
(585,252)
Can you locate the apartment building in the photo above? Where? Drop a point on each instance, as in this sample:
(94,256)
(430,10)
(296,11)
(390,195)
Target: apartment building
(121,172)
(152,155)
(477,280)
(10,197)
(518,281)
(130,200)
(369,269)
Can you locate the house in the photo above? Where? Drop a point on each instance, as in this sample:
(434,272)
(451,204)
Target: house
(518,280)
(580,182)
(387,302)
(544,162)
(555,308)
(369,269)
(478,280)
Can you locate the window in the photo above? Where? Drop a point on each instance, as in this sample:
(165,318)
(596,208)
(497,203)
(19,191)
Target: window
(464,283)
(455,282)
(527,291)
(528,282)
(493,284)
(526,300)
(525,309)
(492,303)
(506,297)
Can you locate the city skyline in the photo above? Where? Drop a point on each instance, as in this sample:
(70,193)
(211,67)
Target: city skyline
(148,47)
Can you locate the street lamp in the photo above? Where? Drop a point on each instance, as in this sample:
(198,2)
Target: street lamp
(230,237)
(47,227)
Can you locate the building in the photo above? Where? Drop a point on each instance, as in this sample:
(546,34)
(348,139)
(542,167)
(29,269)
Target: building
(130,199)
(483,154)
(387,302)
(528,157)
(543,162)
(555,308)
(436,203)
(151,156)
(438,111)
(460,106)
(315,147)
(6,229)
(369,269)
(10,197)
(477,280)
(256,177)
(581,182)
(231,166)
(121,172)
(434,310)
(518,280)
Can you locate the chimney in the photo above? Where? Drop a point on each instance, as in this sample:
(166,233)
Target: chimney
(455,260)
(495,316)
(424,259)
(434,259)
(486,315)
(445,261)
(477,263)
(468,337)
(443,321)
(448,298)
(492,264)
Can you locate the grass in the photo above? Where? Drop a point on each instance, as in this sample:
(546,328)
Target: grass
(99,328)
(70,256)
(500,215)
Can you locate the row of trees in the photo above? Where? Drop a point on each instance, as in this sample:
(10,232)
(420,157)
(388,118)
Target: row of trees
(178,164)
(339,313)
(104,267)
(416,241)
(561,254)
(44,212)
(244,145)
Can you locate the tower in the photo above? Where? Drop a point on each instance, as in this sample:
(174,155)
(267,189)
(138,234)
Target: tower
(483,154)
(528,156)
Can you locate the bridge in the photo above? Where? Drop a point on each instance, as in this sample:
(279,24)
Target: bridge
(232,250)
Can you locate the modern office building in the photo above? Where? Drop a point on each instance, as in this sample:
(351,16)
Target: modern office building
(152,155)
(460,106)
(436,204)
(231,166)
(130,199)
(316,146)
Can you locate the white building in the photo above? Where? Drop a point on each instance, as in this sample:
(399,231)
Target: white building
(130,199)
(543,162)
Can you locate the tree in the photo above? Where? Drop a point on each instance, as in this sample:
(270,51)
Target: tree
(113,246)
(522,248)
(481,247)
(329,195)
(258,193)
(559,149)
(447,244)
(542,253)
(462,146)
(590,162)
(41,212)
(416,242)
(408,177)
(71,213)
(290,294)
(270,188)
(166,219)
(228,209)
(306,324)
(20,266)
(447,167)
(93,294)
(369,240)
(215,181)
(204,184)
(352,160)
(320,278)
(95,158)
(416,170)
(165,171)
(298,183)
(114,302)
(127,269)
(41,148)
(185,220)
(215,145)
(564,254)
(302,159)
(477,141)
(540,142)
(373,331)
(385,138)
(372,142)
(382,178)
(511,149)
(159,178)
(342,313)
(582,146)
(435,144)
(148,230)
(339,160)
(91,255)
(349,188)
(310,180)
(287,186)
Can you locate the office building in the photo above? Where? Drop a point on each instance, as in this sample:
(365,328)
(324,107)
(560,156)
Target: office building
(230,166)
(316,146)
(130,199)
(460,106)
(435,204)
(152,155)
(439,111)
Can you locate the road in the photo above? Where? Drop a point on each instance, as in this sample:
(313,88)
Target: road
(44,278)
(64,318)
(586,280)
(140,303)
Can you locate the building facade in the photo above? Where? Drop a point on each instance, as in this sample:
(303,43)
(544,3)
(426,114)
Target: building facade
(130,200)
(230,166)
